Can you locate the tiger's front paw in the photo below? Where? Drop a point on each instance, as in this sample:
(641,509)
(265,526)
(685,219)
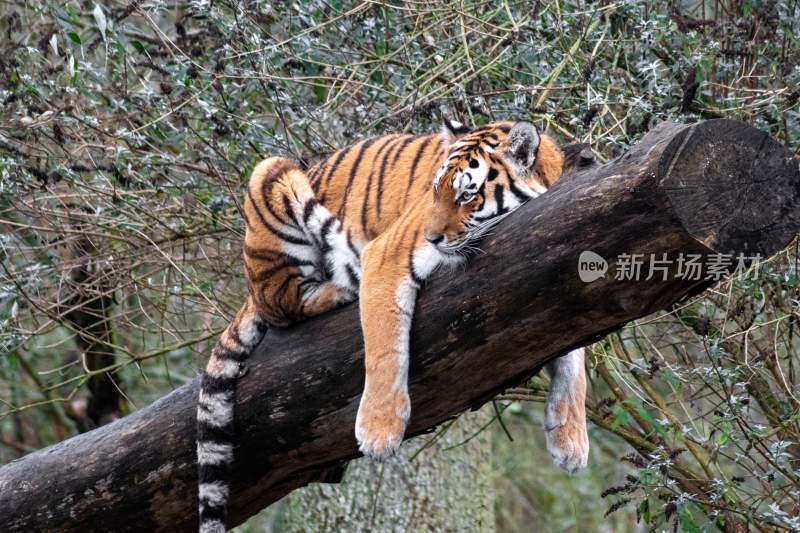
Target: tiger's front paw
(566,436)
(381,423)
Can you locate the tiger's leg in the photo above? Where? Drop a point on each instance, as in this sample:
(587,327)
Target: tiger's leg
(387,307)
(301,260)
(340,254)
(392,274)
(565,412)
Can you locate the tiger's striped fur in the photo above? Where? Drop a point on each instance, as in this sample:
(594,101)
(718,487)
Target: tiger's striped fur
(376,218)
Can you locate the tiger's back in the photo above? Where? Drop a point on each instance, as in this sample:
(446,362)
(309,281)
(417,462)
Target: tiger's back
(369,184)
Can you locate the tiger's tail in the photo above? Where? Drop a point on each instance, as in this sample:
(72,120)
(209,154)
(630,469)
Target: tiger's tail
(215,414)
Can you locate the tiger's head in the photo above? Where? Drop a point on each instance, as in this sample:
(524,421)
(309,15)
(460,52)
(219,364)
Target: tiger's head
(487,173)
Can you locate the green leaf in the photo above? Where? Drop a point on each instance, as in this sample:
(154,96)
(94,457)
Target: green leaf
(138,46)
(687,521)
(621,416)
(698,72)
(644,511)
(74,37)
(321,92)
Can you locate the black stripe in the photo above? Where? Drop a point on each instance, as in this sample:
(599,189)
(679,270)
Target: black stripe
(483,202)
(416,279)
(402,147)
(213,473)
(351,245)
(288,262)
(481,130)
(337,162)
(226,354)
(521,196)
(414,165)
(213,385)
(288,208)
(498,197)
(368,190)
(315,173)
(266,191)
(379,193)
(324,231)
(352,276)
(278,233)
(284,286)
(217,435)
(492,174)
(308,209)
(208,513)
(264,255)
(233,333)
(271,210)
(353,171)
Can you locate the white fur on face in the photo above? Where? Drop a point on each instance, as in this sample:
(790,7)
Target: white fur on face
(480,177)
(470,180)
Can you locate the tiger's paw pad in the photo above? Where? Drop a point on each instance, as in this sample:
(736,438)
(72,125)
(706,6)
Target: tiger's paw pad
(568,445)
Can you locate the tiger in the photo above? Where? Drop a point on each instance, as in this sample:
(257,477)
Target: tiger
(376,219)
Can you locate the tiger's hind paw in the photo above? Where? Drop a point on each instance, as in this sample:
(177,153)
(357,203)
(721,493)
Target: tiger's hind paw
(568,443)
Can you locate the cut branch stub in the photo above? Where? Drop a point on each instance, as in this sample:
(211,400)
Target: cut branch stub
(733,187)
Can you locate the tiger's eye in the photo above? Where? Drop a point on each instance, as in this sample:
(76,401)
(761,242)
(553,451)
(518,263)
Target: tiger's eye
(473,163)
(466,197)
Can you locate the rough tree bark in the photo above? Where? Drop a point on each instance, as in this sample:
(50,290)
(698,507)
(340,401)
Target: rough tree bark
(716,186)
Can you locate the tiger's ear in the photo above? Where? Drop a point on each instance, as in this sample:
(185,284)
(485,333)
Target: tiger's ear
(523,145)
(452,130)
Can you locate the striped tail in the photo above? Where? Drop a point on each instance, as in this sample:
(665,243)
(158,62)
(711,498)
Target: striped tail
(215,414)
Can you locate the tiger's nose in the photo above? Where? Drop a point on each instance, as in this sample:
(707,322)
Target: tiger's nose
(433,237)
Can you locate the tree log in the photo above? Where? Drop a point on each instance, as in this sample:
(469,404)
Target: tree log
(717,186)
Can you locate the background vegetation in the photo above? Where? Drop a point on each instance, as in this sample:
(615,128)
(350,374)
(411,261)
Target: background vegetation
(127,130)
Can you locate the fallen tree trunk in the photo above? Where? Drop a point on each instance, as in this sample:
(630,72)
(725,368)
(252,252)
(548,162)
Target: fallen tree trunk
(717,186)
